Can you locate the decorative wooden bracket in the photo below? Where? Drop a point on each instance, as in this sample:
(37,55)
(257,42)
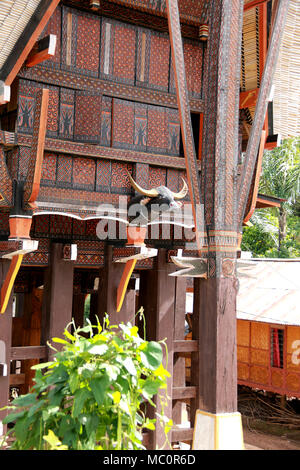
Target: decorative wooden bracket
(248,98)
(13,250)
(190,266)
(44,49)
(32,184)
(137,250)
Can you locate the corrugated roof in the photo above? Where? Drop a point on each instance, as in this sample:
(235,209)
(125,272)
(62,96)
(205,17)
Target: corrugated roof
(273,294)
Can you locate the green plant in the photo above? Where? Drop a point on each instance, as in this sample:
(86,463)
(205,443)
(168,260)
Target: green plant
(91,395)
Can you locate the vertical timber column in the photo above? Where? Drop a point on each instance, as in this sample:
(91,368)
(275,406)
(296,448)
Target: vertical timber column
(157,294)
(179,330)
(5,345)
(214,318)
(109,279)
(58,295)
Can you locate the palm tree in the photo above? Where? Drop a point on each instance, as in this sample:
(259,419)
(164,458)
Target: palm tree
(280,177)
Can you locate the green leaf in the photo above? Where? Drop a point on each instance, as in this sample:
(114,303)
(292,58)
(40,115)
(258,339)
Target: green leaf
(129,365)
(151,387)
(80,398)
(11,417)
(60,340)
(74,381)
(25,400)
(152,355)
(98,387)
(99,349)
(42,366)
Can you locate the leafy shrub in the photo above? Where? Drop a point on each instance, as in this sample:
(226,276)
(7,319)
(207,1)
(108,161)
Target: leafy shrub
(91,395)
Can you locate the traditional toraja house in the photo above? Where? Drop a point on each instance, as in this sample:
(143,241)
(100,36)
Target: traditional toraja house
(103,97)
(268,327)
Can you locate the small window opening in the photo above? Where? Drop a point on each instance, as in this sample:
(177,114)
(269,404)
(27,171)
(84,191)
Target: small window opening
(195,119)
(277,336)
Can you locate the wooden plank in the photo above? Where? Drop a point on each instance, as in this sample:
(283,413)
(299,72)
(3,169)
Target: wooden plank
(157,292)
(183,392)
(28,352)
(182,434)
(185,346)
(43,50)
(179,329)
(58,296)
(16,379)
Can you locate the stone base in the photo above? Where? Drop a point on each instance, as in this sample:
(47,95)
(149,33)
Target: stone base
(222,431)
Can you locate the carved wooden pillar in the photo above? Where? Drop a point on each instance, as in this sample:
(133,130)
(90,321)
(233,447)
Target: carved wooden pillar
(157,294)
(5,345)
(58,295)
(109,279)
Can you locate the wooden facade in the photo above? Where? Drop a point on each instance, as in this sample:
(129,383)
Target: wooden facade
(131,87)
(268,357)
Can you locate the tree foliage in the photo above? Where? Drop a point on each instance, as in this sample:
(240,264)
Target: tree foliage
(275,232)
(90,397)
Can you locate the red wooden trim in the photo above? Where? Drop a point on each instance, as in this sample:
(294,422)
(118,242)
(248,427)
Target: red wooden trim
(32,187)
(257,176)
(248,98)
(261,203)
(254,3)
(270,145)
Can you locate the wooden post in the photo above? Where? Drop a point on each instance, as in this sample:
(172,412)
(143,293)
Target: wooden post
(179,361)
(109,279)
(157,293)
(5,345)
(214,327)
(58,296)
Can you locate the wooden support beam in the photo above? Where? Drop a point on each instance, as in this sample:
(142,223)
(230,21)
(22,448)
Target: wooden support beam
(245,179)
(255,184)
(109,280)
(182,434)
(248,98)
(28,352)
(157,293)
(5,344)
(33,178)
(185,346)
(44,49)
(58,296)
(184,110)
(213,369)
(179,333)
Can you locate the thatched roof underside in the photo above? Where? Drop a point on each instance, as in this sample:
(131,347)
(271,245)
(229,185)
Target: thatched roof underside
(14,17)
(286,103)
